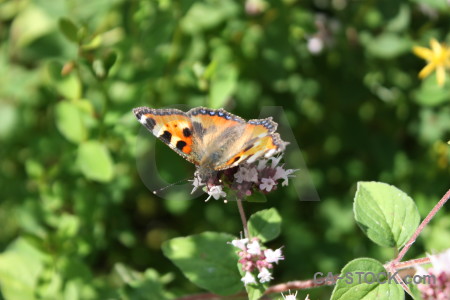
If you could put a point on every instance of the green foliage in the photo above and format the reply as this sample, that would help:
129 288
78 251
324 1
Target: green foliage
265 224
69 121
69 29
387 215
255 292
20 267
365 286
148 285
95 161
208 260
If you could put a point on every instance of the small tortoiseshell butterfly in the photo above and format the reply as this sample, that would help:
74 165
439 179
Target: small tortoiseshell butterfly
212 139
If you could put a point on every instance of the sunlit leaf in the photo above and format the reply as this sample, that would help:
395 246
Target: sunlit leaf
207 260
69 122
370 284
387 215
265 224
95 161
20 268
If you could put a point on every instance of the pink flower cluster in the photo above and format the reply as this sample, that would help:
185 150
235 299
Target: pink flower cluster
254 258
263 175
438 289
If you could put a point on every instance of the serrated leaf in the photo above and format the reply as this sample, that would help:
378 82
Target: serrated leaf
69 29
69 122
387 215
95 161
265 224
365 286
207 260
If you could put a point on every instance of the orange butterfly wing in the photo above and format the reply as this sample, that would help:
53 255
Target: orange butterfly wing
172 126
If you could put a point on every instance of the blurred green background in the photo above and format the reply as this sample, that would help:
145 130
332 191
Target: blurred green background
77 222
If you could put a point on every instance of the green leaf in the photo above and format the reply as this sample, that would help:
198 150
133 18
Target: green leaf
387 215
20 268
95 161
147 285
103 66
430 93
207 15
257 197
417 295
265 224
440 5
207 260
69 122
109 60
29 25
401 22
9 116
351 287
254 292
94 43
388 45
69 29
223 84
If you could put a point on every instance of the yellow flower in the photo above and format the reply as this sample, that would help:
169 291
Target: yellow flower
438 57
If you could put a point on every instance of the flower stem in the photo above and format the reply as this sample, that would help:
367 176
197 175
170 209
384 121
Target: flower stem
421 227
243 218
412 263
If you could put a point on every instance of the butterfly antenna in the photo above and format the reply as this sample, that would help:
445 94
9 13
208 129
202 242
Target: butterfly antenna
156 192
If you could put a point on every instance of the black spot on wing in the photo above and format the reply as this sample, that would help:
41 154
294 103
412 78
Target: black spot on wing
236 159
150 123
180 145
187 132
166 137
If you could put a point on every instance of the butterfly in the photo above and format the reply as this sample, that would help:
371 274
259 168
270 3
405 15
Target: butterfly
212 139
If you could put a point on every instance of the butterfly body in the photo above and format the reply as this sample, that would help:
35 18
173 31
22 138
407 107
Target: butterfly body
212 139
